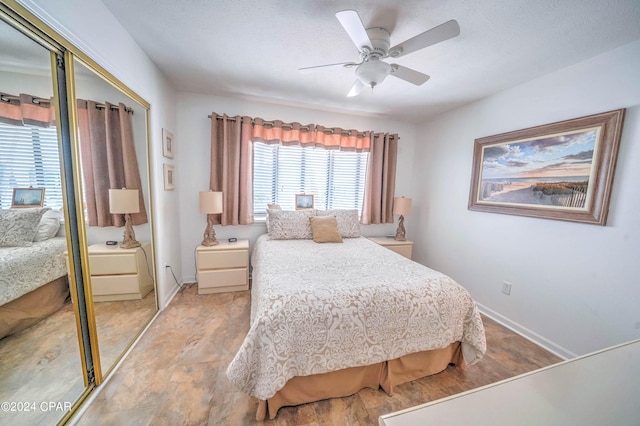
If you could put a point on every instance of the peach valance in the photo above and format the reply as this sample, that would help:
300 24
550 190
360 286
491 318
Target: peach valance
26 110
310 135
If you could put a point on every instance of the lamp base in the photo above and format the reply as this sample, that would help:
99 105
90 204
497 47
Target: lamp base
130 244
209 233
401 234
129 236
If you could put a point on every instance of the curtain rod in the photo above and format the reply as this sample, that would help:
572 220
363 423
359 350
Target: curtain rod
38 101
114 107
8 98
288 125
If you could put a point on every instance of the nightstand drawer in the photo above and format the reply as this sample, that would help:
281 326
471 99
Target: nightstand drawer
403 250
121 284
113 264
222 259
222 278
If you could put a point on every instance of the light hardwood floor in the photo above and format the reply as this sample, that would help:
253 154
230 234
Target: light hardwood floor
42 363
176 373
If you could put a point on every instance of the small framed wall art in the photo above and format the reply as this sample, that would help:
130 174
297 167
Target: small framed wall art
169 177
168 144
27 197
304 201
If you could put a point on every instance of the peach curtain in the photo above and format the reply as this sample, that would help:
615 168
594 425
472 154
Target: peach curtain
232 168
109 160
380 182
26 110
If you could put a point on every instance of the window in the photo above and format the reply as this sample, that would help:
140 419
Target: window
335 178
29 157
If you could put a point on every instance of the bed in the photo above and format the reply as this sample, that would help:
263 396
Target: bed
330 319
33 269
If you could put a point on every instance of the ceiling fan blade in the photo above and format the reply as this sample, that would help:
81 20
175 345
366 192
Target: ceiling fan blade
430 37
356 88
407 74
352 24
318 67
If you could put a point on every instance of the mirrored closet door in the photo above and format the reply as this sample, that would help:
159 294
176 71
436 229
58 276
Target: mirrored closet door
74 178
112 136
41 357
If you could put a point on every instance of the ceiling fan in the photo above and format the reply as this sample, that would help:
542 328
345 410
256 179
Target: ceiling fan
373 45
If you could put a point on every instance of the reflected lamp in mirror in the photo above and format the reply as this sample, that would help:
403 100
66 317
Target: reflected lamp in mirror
210 204
402 207
125 201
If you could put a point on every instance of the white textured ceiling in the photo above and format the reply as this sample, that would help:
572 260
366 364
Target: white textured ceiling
253 48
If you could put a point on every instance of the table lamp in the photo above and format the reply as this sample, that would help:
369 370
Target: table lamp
125 201
401 206
210 204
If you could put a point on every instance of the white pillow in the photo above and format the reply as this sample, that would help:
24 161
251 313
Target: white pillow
290 224
348 221
48 226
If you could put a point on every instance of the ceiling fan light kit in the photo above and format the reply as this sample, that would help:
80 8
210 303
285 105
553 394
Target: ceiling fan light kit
373 72
374 45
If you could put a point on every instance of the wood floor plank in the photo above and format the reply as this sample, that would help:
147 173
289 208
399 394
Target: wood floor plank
183 357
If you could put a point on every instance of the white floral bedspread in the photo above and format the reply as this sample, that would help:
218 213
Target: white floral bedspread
317 308
23 269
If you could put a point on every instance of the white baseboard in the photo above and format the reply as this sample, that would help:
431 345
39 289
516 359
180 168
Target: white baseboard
165 303
527 334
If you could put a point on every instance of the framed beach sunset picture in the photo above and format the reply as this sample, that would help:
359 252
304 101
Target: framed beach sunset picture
558 171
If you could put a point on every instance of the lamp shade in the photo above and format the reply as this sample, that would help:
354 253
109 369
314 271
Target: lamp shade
122 201
211 202
401 206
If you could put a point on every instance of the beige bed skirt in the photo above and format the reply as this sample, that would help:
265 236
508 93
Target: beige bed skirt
341 383
32 307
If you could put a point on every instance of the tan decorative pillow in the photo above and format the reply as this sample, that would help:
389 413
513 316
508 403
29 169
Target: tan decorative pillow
274 207
325 229
348 221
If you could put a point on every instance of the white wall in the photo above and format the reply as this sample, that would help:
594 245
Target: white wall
91 27
193 140
576 287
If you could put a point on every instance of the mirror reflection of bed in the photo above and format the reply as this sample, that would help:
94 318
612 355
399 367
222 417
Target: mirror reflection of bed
39 347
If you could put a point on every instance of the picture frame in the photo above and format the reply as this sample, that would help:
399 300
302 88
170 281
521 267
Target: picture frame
561 171
169 172
24 198
168 144
304 201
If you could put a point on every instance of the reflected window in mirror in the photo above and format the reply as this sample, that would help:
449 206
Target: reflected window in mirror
28 149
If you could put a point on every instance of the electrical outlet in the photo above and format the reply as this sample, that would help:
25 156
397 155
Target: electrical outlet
506 288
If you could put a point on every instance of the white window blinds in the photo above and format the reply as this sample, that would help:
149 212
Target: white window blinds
29 157
335 178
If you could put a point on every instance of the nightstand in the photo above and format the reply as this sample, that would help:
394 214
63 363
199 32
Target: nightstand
223 267
401 247
120 274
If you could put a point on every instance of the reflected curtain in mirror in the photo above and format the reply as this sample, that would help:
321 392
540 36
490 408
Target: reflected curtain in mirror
26 109
109 159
